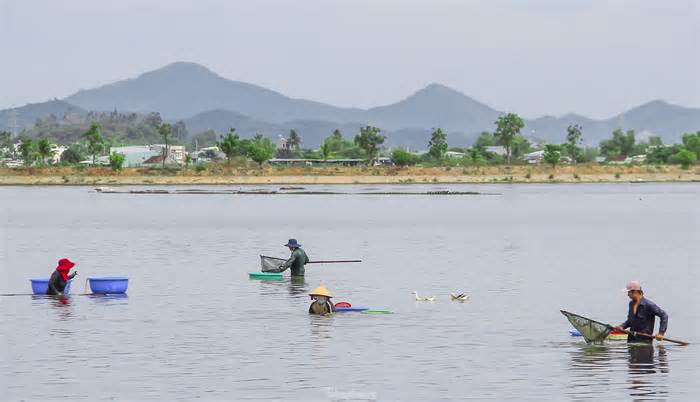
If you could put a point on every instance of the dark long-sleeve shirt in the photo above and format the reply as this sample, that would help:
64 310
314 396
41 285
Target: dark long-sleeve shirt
56 284
644 319
296 262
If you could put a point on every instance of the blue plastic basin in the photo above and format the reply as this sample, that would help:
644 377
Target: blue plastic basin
350 309
40 286
109 285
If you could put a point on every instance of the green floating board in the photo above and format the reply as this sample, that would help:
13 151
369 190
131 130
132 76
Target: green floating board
376 312
265 275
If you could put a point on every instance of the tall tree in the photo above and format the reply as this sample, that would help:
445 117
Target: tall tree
27 150
180 131
485 139
165 130
230 145
343 147
475 155
685 157
655 141
573 139
261 149
507 127
401 157
5 139
337 135
552 154
293 141
73 154
153 120
95 142
691 141
325 150
621 143
369 140
116 161
520 146
43 148
438 144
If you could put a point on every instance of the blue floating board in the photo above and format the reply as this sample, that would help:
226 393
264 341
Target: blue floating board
350 309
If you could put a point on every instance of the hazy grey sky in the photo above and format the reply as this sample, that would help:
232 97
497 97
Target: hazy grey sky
529 56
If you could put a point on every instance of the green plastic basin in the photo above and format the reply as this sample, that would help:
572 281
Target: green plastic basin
266 275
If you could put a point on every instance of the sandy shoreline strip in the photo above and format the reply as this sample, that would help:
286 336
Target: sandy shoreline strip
306 176
310 180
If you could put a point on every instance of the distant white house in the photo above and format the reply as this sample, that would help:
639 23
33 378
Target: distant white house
138 155
496 149
99 161
534 157
57 152
381 161
281 143
11 163
135 155
204 154
636 159
453 154
176 152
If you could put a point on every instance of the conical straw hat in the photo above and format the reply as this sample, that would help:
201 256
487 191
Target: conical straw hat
321 291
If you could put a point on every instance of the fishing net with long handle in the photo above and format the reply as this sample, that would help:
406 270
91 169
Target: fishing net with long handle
272 264
592 331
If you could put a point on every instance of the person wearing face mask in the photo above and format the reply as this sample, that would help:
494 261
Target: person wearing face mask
321 304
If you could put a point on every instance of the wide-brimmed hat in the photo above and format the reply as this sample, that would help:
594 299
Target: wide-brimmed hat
65 264
292 243
633 285
321 291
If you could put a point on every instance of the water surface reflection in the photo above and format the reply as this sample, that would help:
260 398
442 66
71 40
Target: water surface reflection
595 367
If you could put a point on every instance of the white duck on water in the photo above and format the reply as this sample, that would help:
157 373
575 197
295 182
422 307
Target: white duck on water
423 299
462 297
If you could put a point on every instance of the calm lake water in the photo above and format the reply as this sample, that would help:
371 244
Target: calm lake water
194 326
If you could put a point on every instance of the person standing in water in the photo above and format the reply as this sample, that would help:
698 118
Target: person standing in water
641 316
60 277
297 260
321 304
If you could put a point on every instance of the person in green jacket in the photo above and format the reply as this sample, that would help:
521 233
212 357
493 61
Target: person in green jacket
297 260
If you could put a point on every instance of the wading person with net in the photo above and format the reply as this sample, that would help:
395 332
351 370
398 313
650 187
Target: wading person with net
641 316
297 260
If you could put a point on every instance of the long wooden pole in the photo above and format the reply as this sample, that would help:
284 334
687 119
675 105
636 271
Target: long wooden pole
634 333
332 261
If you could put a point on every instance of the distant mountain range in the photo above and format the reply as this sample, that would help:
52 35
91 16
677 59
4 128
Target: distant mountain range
205 100
25 116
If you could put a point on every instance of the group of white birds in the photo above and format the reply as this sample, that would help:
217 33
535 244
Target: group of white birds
462 297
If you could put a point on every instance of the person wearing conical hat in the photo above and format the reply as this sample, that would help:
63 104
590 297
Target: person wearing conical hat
321 304
297 260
